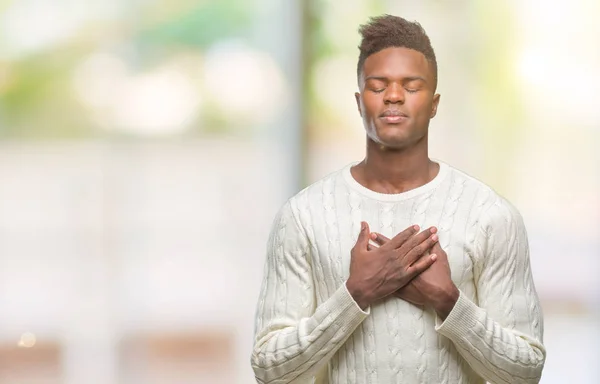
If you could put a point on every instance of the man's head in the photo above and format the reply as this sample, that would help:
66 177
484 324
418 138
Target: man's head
397 78
392 31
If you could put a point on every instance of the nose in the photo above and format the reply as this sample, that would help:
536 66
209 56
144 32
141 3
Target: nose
394 94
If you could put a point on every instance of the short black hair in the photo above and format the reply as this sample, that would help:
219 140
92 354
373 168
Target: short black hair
387 31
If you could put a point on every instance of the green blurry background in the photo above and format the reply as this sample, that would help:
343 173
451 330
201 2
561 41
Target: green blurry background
145 147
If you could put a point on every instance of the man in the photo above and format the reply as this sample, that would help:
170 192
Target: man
355 291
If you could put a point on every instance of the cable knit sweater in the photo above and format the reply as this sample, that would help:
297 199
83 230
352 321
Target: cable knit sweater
309 328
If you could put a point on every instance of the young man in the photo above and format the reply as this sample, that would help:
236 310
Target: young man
398 269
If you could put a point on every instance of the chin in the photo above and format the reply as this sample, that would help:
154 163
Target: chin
392 136
393 140
397 137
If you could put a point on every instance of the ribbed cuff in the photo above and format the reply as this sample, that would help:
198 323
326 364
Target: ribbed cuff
461 320
348 297
341 309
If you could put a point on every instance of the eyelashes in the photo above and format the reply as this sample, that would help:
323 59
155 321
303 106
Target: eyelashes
407 90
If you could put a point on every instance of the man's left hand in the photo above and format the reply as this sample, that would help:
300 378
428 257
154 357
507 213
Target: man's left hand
433 287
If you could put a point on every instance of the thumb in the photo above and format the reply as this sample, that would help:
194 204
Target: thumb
363 236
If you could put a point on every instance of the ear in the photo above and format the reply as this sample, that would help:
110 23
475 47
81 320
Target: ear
434 105
357 97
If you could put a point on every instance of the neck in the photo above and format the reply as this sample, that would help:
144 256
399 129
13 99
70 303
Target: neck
394 171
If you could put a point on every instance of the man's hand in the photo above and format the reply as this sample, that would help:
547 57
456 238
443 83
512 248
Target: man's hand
411 294
376 272
433 287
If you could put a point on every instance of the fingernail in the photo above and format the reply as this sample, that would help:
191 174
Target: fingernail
416 227
433 257
362 226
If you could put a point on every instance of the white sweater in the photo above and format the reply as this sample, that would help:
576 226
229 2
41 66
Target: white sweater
308 325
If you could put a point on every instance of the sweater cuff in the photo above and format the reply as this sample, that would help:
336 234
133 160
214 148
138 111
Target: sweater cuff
347 298
461 320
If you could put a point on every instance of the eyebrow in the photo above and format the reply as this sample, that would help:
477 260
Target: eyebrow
404 80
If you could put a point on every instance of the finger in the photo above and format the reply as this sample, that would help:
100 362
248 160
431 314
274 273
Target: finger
403 236
420 249
417 239
371 247
437 248
421 265
379 239
363 236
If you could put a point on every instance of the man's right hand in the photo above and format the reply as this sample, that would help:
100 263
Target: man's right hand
378 272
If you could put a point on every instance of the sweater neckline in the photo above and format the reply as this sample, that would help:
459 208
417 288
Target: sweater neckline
355 185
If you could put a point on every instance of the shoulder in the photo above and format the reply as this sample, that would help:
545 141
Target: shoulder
310 202
317 194
458 176
495 210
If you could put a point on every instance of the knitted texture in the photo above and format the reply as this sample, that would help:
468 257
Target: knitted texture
308 325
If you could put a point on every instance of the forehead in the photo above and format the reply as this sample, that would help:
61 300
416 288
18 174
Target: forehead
397 62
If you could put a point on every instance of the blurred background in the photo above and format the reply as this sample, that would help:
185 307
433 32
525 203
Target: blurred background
146 145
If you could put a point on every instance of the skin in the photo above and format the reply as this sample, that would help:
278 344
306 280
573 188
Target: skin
397 99
379 272
433 287
396 79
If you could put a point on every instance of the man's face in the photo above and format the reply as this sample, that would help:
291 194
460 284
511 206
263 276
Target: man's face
397 97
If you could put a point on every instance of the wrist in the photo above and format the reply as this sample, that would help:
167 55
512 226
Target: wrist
357 294
445 301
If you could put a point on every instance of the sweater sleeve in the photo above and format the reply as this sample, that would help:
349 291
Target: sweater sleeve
501 339
294 338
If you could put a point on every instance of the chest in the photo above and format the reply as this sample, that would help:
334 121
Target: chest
332 243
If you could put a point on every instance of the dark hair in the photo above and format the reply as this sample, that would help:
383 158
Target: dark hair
392 31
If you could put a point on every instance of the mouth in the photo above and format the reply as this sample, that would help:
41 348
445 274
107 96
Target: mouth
393 116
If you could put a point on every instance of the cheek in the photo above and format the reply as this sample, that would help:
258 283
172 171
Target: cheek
371 109
421 106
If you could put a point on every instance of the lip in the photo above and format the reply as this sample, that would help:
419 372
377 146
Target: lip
393 112
393 116
394 119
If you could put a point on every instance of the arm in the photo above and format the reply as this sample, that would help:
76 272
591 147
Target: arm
501 339
293 339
